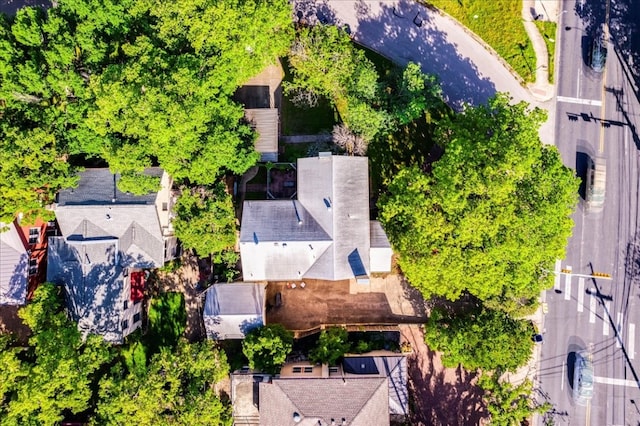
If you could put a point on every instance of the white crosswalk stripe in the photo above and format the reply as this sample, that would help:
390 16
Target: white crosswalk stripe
605 319
592 307
580 294
631 347
567 285
556 276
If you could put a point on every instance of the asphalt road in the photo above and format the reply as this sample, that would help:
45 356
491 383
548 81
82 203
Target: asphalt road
595 117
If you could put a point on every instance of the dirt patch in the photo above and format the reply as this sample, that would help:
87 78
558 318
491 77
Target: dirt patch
11 323
439 395
330 302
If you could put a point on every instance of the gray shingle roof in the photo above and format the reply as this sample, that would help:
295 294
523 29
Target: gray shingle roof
14 266
232 310
99 186
104 232
360 401
329 224
395 369
93 282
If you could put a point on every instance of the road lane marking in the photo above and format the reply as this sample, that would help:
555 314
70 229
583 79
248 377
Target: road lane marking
605 322
618 329
615 382
632 341
580 294
588 420
567 284
592 308
556 277
570 100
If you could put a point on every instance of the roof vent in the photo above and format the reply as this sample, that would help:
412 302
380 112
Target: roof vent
296 417
324 154
108 216
344 421
327 203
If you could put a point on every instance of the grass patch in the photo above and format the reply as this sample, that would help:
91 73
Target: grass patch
499 24
548 31
305 121
167 321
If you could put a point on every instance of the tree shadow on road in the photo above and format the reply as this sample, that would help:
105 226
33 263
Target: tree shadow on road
404 27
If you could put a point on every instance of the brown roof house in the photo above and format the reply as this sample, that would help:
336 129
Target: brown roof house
368 389
323 234
232 310
109 238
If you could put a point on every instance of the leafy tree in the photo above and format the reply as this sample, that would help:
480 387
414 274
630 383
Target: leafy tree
326 63
332 344
32 171
176 388
267 347
480 338
411 94
491 216
507 404
56 374
135 84
205 220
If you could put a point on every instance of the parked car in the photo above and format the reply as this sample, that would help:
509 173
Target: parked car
596 183
597 54
582 378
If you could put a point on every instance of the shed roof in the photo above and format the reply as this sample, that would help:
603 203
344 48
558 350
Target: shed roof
232 310
265 122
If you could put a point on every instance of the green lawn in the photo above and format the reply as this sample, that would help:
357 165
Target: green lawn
548 31
499 24
167 322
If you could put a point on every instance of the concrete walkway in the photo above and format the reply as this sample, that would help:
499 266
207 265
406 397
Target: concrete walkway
541 89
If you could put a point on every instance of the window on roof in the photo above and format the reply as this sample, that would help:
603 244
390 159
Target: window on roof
165 207
308 369
126 304
333 369
125 324
297 369
136 318
34 234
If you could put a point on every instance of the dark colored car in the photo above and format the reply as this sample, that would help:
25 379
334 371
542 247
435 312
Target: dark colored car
597 54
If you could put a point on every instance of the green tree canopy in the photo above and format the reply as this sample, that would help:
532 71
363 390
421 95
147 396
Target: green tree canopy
267 347
205 220
176 388
507 404
491 216
332 344
133 83
56 373
480 338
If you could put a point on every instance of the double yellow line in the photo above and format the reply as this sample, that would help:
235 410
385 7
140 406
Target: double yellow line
604 80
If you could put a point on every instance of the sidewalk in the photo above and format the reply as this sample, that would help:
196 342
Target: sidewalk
542 90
